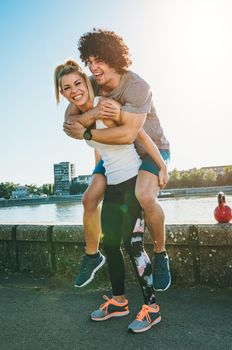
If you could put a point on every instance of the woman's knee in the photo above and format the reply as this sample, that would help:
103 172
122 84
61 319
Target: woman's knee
111 251
134 245
93 196
91 200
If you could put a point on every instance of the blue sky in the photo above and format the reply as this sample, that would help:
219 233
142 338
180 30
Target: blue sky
183 49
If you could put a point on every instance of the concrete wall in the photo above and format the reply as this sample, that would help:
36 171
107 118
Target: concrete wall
199 254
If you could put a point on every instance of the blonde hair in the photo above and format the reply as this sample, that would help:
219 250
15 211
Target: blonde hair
68 67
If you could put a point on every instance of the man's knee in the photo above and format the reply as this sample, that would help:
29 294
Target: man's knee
147 189
145 199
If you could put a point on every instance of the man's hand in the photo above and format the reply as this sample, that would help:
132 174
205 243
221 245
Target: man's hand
109 108
74 129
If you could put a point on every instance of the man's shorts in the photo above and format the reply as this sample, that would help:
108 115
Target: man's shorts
148 164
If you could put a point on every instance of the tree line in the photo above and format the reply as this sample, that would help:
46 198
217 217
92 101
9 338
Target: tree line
6 189
199 178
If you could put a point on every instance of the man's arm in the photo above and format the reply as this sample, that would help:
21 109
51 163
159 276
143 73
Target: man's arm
123 134
120 135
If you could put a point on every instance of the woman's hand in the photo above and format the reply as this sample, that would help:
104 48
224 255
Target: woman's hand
74 129
163 177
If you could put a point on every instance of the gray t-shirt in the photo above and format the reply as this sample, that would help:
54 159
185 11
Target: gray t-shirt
135 96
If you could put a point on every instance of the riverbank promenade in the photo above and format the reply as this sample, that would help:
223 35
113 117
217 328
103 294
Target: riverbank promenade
166 193
49 313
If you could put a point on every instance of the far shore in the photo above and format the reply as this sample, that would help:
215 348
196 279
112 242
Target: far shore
166 193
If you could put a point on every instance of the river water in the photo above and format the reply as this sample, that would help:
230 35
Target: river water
190 210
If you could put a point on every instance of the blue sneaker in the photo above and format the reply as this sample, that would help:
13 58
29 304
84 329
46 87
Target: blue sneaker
161 274
89 267
146 318
111 308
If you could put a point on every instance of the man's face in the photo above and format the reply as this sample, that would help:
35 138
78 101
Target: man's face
101 71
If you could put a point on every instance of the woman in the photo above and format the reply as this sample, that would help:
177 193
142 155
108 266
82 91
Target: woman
121 212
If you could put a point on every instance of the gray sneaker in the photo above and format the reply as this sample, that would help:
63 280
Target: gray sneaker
89 267
110 309
146 318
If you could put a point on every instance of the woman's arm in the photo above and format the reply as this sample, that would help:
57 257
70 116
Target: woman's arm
97 156
73 114
154 153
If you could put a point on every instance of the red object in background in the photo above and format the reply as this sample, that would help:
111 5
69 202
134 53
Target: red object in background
222 212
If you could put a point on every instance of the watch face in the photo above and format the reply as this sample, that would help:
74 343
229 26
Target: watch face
87 135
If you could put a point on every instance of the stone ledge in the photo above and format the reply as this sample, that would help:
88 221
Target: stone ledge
181 234
176 234
64 233
6 232
215 235
199 254
34 233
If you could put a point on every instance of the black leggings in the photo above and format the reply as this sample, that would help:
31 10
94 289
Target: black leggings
121 219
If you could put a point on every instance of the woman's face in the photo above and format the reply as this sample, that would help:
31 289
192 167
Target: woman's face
74 88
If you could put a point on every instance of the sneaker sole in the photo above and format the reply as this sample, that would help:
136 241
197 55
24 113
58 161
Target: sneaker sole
115 314
145 328
162 290
92 274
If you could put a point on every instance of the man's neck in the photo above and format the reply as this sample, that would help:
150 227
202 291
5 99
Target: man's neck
111 85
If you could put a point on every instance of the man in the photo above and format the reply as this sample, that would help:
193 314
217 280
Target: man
107 57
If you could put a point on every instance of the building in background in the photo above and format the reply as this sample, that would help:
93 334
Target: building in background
83 179
219 170
20 192
80 184
64 173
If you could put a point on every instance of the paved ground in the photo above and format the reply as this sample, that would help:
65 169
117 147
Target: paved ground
47 313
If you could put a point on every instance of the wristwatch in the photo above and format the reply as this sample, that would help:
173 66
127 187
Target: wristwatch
87 134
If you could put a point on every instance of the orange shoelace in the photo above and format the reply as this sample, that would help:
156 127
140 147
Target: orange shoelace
145 313
108 302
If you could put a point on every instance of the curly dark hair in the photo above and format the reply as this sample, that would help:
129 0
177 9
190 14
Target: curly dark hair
107 46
